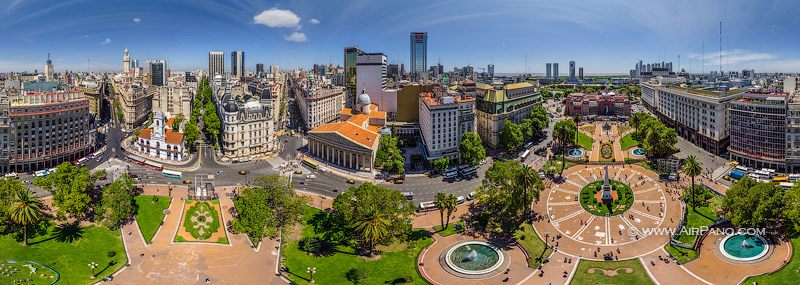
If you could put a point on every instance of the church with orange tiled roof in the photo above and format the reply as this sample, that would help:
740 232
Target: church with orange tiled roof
160 141
352 142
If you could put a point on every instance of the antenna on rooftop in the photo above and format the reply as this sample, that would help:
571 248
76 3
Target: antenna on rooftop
704 58
720 48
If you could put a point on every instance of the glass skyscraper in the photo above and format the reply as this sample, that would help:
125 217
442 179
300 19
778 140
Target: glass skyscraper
419 54
350 58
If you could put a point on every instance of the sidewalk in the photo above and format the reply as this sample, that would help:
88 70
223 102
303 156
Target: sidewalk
355 175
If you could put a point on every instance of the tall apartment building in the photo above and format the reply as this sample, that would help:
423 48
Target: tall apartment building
572 69
39 130
700 115
237 64
173 99
318 104
444 116
490 70
136 103
48 69
248 126
790 85
216 63
758 130
259 69
498 103
548 70
555 70
371 77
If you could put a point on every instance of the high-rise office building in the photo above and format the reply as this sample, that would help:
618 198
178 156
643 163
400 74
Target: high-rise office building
419 54
237 63
555 70
126 62
549 70
259 69
350 60
572 69
158 72
490 70
216 63
580 73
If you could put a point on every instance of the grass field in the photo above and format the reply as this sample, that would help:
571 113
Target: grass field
555 166
68 249
150 214
637 276
786 275
585 141
702 217
397 261
450 230
535 246
683 255
627 142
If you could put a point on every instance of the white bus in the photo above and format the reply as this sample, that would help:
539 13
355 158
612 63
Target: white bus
426 206
172 174
743 168
12 174
525 155
450 173
41 173
794 177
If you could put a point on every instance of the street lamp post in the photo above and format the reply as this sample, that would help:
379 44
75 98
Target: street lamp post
170 188
311 270
93 266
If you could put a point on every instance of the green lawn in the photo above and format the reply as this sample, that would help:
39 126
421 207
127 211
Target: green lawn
683 255
150 214
589 201
397 261
703 216
69 249
535 246
585 141
786 275
627 141
555 166
584 277
450 230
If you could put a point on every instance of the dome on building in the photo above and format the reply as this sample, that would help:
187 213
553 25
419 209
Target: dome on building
363 98
230 105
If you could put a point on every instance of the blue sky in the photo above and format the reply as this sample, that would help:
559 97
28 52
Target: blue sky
601 36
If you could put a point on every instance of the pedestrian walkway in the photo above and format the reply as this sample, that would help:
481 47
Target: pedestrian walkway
667 272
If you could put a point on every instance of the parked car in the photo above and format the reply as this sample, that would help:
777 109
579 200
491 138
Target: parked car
460 199
242 172
187 181
311 176
471 195
298 172
351 181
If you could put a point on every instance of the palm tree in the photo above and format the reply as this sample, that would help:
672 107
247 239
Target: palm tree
692 167
373 228
440 202
26 209
529 186
450 203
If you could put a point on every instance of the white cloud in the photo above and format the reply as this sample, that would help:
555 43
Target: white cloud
314 21
137 20
277 18
106 41
734 57
297 37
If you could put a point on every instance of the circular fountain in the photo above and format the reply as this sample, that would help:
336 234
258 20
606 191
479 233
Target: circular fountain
474 258
743 247
638 152
575 153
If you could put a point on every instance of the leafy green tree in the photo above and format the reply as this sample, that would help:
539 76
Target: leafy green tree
510 135
563 133
355 275
656 138
270 203
505 195
471 148
192 134
791 209
70 186
25 210
176 122
373 215
750 204
389 156
211 122
118 203
540 118
692 167
441 164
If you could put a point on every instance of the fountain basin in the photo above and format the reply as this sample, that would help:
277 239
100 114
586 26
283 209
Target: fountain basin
743 247
638 152
474 258
575 153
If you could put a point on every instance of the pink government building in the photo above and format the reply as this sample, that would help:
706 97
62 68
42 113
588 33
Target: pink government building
604 104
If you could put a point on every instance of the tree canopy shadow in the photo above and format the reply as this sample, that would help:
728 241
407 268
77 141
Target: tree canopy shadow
68 232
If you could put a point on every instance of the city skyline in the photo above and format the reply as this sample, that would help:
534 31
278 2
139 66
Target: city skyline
522 36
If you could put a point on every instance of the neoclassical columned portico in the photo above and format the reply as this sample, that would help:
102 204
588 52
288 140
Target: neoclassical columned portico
357 159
